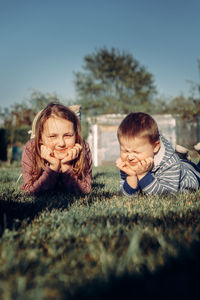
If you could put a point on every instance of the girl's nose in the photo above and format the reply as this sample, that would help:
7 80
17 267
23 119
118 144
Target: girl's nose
61 142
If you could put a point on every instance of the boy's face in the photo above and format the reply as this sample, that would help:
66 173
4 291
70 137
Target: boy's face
136 149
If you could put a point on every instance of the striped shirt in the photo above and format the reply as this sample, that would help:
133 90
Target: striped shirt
168 175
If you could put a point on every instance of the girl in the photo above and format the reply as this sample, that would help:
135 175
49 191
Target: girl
57 157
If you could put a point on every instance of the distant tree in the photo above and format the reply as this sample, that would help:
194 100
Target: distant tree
195 93
22 114
160 106
195 87
19 115
185 108
113 82
39 100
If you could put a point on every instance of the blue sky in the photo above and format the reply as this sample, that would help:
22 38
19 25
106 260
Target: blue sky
43 42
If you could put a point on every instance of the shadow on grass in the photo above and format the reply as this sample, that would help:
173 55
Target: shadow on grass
171 220
14 211
178 279
16 206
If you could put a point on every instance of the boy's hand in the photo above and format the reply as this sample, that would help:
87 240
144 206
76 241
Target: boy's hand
125 167
135 172
132 176
47 154
72 154
143 167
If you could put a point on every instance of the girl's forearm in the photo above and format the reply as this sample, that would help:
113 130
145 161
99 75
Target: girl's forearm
71 181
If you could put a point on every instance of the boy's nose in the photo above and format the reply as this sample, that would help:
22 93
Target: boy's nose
131 156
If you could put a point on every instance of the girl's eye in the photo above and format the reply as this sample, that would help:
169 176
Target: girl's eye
68 135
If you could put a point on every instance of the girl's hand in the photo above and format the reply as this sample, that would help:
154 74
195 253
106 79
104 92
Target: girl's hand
72 154
47 154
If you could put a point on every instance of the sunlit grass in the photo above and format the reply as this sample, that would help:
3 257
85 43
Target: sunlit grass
57 245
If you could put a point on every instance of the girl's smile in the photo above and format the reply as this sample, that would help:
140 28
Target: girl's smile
61 150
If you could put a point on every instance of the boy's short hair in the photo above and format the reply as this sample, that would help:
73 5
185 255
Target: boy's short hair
139 124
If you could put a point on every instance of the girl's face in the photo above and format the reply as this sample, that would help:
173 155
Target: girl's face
136 149
58 135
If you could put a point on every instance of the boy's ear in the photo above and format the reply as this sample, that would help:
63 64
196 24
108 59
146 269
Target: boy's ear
156 146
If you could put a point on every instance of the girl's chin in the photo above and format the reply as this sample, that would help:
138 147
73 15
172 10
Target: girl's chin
60 155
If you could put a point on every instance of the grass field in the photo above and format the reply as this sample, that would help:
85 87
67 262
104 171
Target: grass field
100 246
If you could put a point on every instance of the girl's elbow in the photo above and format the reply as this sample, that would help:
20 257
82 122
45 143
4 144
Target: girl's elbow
88 190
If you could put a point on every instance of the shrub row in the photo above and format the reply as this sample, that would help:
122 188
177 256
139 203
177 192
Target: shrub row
10 136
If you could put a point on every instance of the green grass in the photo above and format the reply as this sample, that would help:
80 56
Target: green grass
100 246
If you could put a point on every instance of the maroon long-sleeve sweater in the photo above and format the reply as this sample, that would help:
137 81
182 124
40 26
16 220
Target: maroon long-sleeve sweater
51 179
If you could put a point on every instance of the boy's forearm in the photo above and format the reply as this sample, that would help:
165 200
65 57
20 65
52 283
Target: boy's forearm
140 176
132 181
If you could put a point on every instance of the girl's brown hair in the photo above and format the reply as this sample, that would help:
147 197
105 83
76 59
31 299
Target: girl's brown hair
139 124
61 111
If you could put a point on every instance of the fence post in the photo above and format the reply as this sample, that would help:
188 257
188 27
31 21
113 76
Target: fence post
198 128
95 136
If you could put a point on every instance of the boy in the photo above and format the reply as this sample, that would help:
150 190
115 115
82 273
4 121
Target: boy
148 164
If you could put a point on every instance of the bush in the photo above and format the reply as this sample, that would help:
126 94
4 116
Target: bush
21 135
84 129
17 135
3 144
8 136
